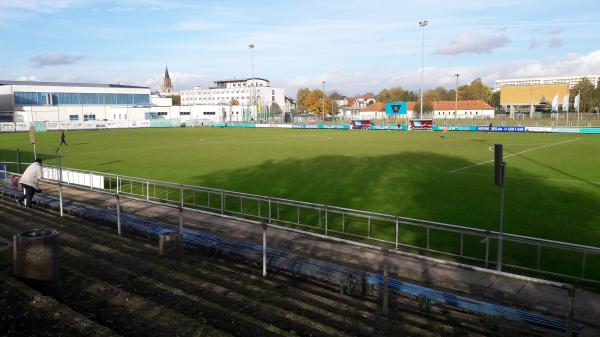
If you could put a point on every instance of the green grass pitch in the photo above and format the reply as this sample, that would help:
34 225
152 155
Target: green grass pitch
552 180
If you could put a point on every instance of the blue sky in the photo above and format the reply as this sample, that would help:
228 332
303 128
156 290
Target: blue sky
356 46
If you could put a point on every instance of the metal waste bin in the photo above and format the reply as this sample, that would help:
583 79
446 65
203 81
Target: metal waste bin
171 245
36 254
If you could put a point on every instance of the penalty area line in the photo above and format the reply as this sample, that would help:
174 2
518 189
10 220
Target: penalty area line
516 153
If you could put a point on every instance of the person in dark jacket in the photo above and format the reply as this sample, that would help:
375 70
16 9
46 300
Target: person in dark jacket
62 138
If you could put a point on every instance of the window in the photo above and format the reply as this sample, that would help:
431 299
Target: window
162 113
273 98
208 113
31 98
73 117
68 98
89 117
184 113
272 92
150 115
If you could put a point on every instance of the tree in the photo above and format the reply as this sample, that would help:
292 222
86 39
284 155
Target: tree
427 106
301 97
440 94
590 97
395 95
476 90
176 99
314 102
336 95
495 100
234 101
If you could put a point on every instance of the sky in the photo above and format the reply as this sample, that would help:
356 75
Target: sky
354 46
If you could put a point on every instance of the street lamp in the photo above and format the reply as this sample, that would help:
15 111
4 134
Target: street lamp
423 24
252 92
323 104
456 101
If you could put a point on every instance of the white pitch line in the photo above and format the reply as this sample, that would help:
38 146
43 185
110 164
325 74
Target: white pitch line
516 153
535 178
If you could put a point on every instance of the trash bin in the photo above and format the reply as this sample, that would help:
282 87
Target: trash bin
36 255
171 245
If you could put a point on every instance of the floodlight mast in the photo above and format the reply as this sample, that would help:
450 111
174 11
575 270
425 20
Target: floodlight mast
423 24
456 101
323 102
252 90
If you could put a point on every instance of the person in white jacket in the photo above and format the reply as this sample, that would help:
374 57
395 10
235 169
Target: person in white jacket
30 182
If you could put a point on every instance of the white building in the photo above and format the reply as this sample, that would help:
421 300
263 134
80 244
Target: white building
27 101
247 92
570 80
441 109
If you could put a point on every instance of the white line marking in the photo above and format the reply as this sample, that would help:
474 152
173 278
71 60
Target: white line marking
535 178
516 153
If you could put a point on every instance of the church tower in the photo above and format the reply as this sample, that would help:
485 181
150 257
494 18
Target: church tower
166 87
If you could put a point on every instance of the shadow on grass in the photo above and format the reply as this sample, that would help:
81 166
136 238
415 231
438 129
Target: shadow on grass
419 185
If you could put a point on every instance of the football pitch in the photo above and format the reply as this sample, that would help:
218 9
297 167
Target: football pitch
552 180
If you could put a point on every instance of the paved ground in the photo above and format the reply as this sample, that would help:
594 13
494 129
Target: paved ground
476 284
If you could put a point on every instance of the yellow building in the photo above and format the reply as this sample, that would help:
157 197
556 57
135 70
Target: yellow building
533 94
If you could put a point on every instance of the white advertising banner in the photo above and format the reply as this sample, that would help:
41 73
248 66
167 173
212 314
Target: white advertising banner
7 127
74 177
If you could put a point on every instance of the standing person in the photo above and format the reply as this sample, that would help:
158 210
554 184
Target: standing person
30 182
490 128
62 138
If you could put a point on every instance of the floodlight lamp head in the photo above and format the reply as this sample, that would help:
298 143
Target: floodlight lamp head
423 23
251 46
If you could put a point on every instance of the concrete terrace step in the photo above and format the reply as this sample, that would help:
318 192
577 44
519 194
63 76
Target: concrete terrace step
27 312
236 246
427 329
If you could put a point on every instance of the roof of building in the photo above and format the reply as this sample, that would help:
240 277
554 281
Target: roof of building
69 84
241 80
438 105
377 106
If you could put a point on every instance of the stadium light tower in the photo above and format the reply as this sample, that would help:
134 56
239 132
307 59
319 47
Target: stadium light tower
252 91
456 101
423 24
323 103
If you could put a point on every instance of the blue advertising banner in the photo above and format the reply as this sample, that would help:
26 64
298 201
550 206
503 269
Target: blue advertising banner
501 128
388 127
461 128
589 130
396 108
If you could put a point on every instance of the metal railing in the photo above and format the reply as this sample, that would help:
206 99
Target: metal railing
451 242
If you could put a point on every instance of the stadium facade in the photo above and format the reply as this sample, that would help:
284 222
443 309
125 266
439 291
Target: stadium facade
570 80
30 101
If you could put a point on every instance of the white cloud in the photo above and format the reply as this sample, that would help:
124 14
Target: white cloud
357 83
40 6
32 78
179 80
472 42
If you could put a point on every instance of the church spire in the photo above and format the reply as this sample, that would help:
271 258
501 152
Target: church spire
166 86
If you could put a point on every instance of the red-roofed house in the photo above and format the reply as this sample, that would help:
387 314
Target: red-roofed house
463 109
442 109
